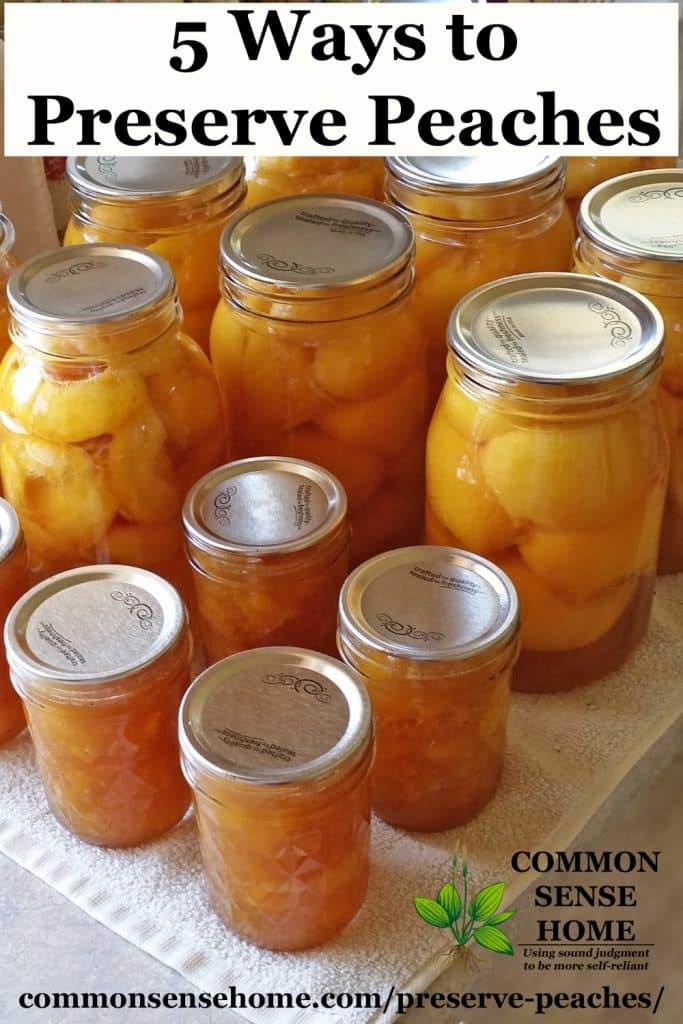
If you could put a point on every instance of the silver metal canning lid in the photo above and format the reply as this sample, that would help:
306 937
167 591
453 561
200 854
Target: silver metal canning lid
10 530
152 177
89 284
428 603
6 234
555 329
93 625
263 506
316 245
275 715
471 174
638 215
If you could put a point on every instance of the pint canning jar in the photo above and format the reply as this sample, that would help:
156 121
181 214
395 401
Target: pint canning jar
276 177
175 206
277 747
6 268
434 633
108 412
101 659
268 542
14 580
320 355
548 454
477 219
631 230
585 172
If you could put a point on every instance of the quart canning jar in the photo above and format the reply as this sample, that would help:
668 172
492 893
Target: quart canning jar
14 580
548 454
631 230
434 633
108 412
477 219
277 747
101 659
585 172
268 541
276 177
174 206
320 355
6 268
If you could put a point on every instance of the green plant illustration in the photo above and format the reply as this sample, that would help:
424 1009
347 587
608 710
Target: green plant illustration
479 919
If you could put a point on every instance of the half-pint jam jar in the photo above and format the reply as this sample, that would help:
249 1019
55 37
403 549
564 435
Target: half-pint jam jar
268 542
631 230
14 580
277 746
101 659
434 633
175 206
548 454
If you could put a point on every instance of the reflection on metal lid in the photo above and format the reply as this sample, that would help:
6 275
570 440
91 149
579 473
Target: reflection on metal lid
10 530
482 171
637 215
145 177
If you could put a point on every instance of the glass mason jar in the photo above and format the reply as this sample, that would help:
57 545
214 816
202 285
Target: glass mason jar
277 747
6 268
320 355
276 177
101 659
268 541
477 219
434 633
14 580
630 231
548 454
585 172
175 206
108 412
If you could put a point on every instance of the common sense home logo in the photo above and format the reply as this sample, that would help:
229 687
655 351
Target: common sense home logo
479 919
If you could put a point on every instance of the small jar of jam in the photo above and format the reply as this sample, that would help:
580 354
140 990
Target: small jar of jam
14 580
101 659
320 355
477 218
108 411
277 747
276 177
434 633
175 206
268 542
631 230
548 454
6 268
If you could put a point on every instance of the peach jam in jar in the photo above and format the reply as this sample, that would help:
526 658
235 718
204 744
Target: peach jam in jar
268 542
434 633
631 230
320 356
277 747
108 411
101 659
175 206
548 454
477 218
6 268
276 177
14 580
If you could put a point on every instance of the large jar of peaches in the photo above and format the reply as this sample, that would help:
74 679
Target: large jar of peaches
14 580
275 177
434 633
6 267
268 542
175 206
108 412
477 219
277 747
631 230
101 659
548 454
585 172
320 354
